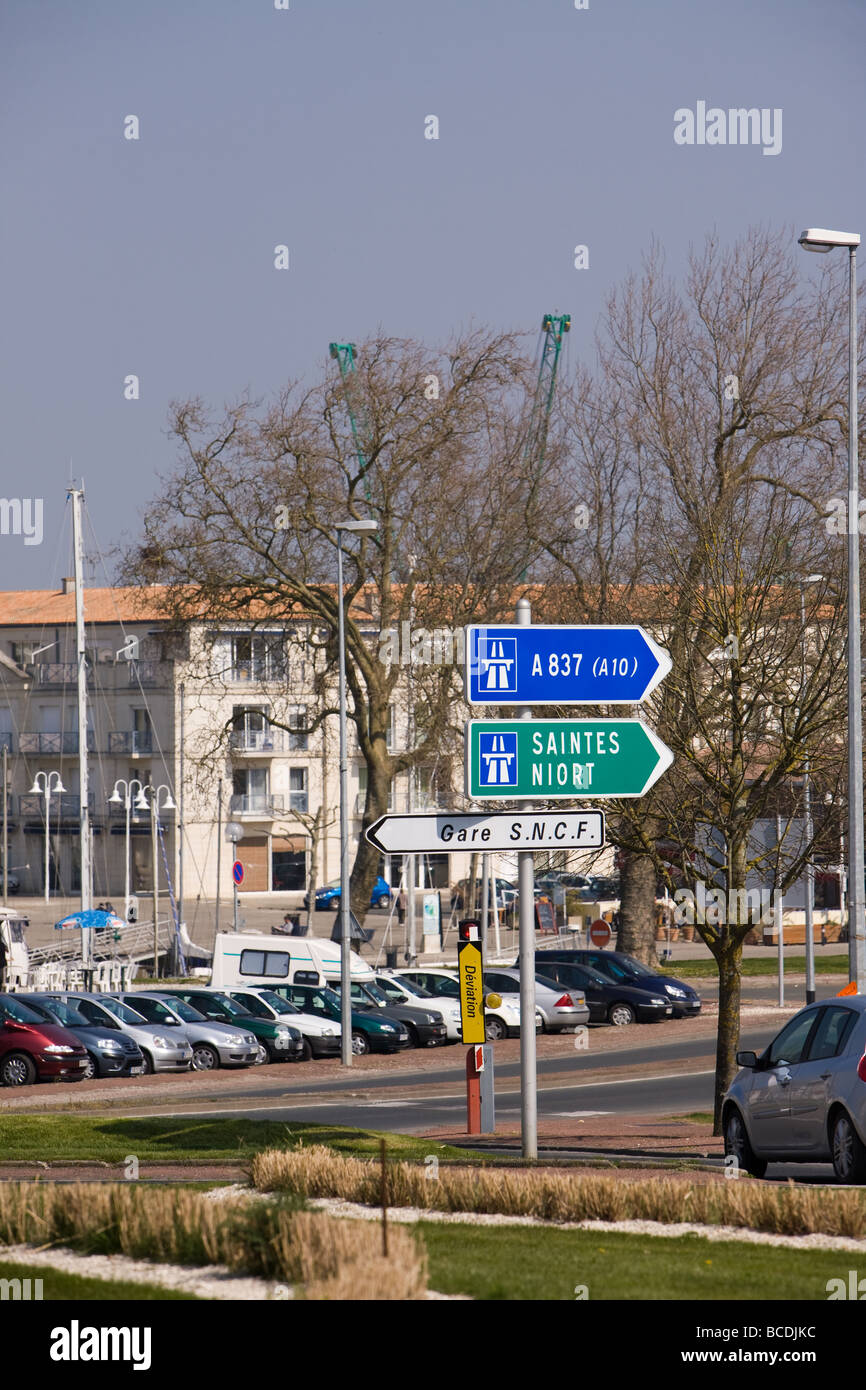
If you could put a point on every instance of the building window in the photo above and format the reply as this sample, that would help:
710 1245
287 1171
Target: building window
258 656
298 789
297 722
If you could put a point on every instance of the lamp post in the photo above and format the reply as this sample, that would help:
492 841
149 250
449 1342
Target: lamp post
126 801
141 804
345 938
819 239
46 790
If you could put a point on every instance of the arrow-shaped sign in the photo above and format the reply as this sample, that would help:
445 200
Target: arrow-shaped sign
562 665
444 832
539 759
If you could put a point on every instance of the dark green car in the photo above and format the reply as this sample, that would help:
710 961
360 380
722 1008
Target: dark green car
369 1033
281 1042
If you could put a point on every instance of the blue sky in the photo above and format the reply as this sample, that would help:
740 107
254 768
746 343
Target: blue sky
305 127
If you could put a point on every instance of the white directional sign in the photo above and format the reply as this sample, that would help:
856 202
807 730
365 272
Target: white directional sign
500 830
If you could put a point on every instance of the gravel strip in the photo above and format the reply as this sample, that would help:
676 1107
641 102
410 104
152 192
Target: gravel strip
206 1281
335 1206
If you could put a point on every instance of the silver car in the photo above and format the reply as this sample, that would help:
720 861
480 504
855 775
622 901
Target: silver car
213 1044
804 1099
161 1050
559 1008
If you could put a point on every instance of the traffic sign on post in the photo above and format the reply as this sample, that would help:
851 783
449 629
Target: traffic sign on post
469 971
515 759
616 665
487 830
238 872
599 933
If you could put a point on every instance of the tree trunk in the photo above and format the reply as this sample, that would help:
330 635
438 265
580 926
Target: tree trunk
315 833
636 936
366 865
728 953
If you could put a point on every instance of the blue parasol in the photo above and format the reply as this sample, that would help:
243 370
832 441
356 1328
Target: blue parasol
90 917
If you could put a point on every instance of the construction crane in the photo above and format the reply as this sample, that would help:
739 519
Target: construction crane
553 328
345 355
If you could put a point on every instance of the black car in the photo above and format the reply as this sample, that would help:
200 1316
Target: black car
371 1031
619 1002
622 969
425 1029
108 1053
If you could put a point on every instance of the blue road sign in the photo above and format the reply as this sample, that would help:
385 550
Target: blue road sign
238 872
561 666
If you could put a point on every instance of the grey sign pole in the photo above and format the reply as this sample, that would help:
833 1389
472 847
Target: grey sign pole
488 1105
526 893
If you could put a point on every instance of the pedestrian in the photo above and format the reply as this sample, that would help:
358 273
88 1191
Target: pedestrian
401 907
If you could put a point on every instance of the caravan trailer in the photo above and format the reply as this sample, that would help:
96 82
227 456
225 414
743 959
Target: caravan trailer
253 958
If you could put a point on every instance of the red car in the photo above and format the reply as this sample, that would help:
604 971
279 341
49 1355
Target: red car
33 1050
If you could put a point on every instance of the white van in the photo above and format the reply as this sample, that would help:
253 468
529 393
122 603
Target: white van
253 958
13 925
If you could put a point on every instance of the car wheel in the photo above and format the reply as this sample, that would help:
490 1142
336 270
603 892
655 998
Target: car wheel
91 1071
849 1153
384 900
307 1054
18 1070
335 904
204 1057
148 1063
360 1045
620 1015
737 1143
262 1055
414 1040
494 1029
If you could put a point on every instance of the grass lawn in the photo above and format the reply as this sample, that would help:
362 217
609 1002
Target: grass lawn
191 1140
526 1262
59 1286
756 966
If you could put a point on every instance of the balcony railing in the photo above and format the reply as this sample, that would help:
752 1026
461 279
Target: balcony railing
261 672
262 804
257 740
63 807
130 741
59 673
54 745
120 675
299 801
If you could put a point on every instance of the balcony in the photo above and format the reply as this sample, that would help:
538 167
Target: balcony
55 745
59 673
121 675
261 741
257 672
257 805
130 742
63 807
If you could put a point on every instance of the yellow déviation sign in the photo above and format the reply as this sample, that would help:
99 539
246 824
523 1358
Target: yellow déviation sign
471 992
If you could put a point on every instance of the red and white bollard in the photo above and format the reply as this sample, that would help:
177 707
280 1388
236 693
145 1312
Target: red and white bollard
474 1068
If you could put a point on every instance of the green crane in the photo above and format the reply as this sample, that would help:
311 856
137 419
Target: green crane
553 328
346 355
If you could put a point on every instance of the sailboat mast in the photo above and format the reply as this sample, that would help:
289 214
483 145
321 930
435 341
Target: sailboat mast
77 496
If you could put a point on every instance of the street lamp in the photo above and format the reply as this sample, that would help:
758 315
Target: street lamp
46 790
807 812
126 801
345 939
141 804
821 240
234 832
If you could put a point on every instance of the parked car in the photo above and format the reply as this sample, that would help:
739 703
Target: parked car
213 1044
330 895
161 1051
426 1028
506 893
34 1049
559 1009
624 969
273 1040
609 1001
501 1022
320 1037
804 1099
399 989
371 1031
109 1053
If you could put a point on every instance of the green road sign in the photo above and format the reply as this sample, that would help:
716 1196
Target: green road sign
538 759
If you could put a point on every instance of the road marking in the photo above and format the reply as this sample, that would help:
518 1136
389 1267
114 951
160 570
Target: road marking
577 1114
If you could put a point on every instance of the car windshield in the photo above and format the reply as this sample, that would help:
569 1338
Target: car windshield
378 994
636 967
16 1011
231 1006
121 1010
64 1013
186 1011
277 1002
413 988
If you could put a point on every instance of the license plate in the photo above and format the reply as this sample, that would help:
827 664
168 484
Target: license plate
82 1063
136 1071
